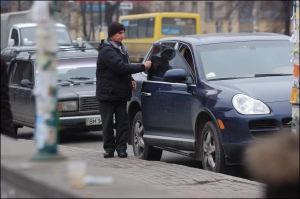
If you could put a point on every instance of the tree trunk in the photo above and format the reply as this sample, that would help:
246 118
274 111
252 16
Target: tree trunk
287 10
82 5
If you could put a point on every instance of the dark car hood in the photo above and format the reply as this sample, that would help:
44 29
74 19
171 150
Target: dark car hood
67 91
266 89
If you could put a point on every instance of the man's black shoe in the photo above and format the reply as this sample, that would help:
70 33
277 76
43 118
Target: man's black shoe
108 154
122 154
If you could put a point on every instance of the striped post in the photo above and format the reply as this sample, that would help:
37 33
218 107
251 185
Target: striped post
295 60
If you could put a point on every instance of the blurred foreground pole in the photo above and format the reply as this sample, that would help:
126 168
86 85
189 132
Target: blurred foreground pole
255 13
295 89
45 91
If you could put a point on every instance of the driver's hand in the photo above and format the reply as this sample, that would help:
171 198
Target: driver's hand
147 64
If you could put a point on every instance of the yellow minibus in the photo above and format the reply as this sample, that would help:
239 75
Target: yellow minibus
144 29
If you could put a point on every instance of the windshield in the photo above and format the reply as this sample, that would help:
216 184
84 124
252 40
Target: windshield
76 73
28 36
246 59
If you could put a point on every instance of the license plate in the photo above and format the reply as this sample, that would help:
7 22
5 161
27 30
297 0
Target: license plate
93 121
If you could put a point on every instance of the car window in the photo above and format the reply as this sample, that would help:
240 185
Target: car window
187 54
11 71
17 73
15 36
27 71
163 59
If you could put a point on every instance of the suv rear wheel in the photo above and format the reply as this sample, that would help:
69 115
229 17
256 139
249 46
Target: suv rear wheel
212 154
140 149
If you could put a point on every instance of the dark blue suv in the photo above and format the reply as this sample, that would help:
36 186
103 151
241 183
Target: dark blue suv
209 96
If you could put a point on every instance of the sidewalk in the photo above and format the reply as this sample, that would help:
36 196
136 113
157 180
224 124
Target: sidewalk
133 178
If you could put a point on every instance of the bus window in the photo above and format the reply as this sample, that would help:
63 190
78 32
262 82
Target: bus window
142 26
178 26
150 29
132 29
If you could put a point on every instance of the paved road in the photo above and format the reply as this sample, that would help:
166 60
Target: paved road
93 140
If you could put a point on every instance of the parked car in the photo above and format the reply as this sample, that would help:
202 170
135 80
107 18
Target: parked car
77 104
223 92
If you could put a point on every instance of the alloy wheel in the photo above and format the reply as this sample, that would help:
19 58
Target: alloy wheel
139 144
209 151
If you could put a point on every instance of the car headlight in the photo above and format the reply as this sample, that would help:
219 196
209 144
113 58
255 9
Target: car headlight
248 106
67 106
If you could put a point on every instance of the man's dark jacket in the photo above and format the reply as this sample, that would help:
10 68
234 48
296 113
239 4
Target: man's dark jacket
7 127
114 81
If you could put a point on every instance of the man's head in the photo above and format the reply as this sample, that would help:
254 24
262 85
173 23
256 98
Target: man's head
116 31
168 54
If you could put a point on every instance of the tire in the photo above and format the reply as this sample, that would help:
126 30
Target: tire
212 154
140 148
15 130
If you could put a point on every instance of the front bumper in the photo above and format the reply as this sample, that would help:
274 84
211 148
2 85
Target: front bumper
81 122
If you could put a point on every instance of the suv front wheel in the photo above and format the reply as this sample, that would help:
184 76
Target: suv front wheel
140 148
212 154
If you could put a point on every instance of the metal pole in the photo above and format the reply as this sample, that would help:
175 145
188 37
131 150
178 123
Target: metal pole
45 91
295 89
100 16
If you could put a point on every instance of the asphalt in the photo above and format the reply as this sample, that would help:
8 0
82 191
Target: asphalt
132 178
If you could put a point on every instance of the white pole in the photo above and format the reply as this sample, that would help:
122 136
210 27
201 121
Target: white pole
295 60
45 90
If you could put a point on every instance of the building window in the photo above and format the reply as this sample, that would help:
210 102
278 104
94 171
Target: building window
181 6
194 7
209 11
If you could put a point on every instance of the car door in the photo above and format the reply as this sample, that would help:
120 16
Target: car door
23 95
166 106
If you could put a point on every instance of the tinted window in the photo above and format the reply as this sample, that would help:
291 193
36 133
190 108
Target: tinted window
15 36
27 71
178 26
18 69
163 59
11 71
238 59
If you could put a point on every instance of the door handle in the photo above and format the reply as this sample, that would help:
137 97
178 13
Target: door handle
146 94
17 91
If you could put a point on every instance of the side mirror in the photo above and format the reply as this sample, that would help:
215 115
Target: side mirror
26 83
11 42
175 75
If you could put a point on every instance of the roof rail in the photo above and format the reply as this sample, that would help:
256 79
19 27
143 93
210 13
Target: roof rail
32 52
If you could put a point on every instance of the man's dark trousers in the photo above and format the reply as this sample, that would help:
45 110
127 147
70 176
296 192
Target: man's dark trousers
107 110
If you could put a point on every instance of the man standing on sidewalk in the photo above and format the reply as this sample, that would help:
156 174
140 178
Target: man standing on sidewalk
114 88
7 126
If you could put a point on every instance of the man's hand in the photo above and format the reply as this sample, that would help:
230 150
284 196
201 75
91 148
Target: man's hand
133 85
147 64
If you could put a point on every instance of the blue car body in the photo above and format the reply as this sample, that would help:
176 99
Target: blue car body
175 112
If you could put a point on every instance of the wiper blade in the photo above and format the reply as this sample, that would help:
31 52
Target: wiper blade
65 81
80 78
271 74
226 78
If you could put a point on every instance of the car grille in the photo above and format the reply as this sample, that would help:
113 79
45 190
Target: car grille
88 104
262 124
286 122
267 127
